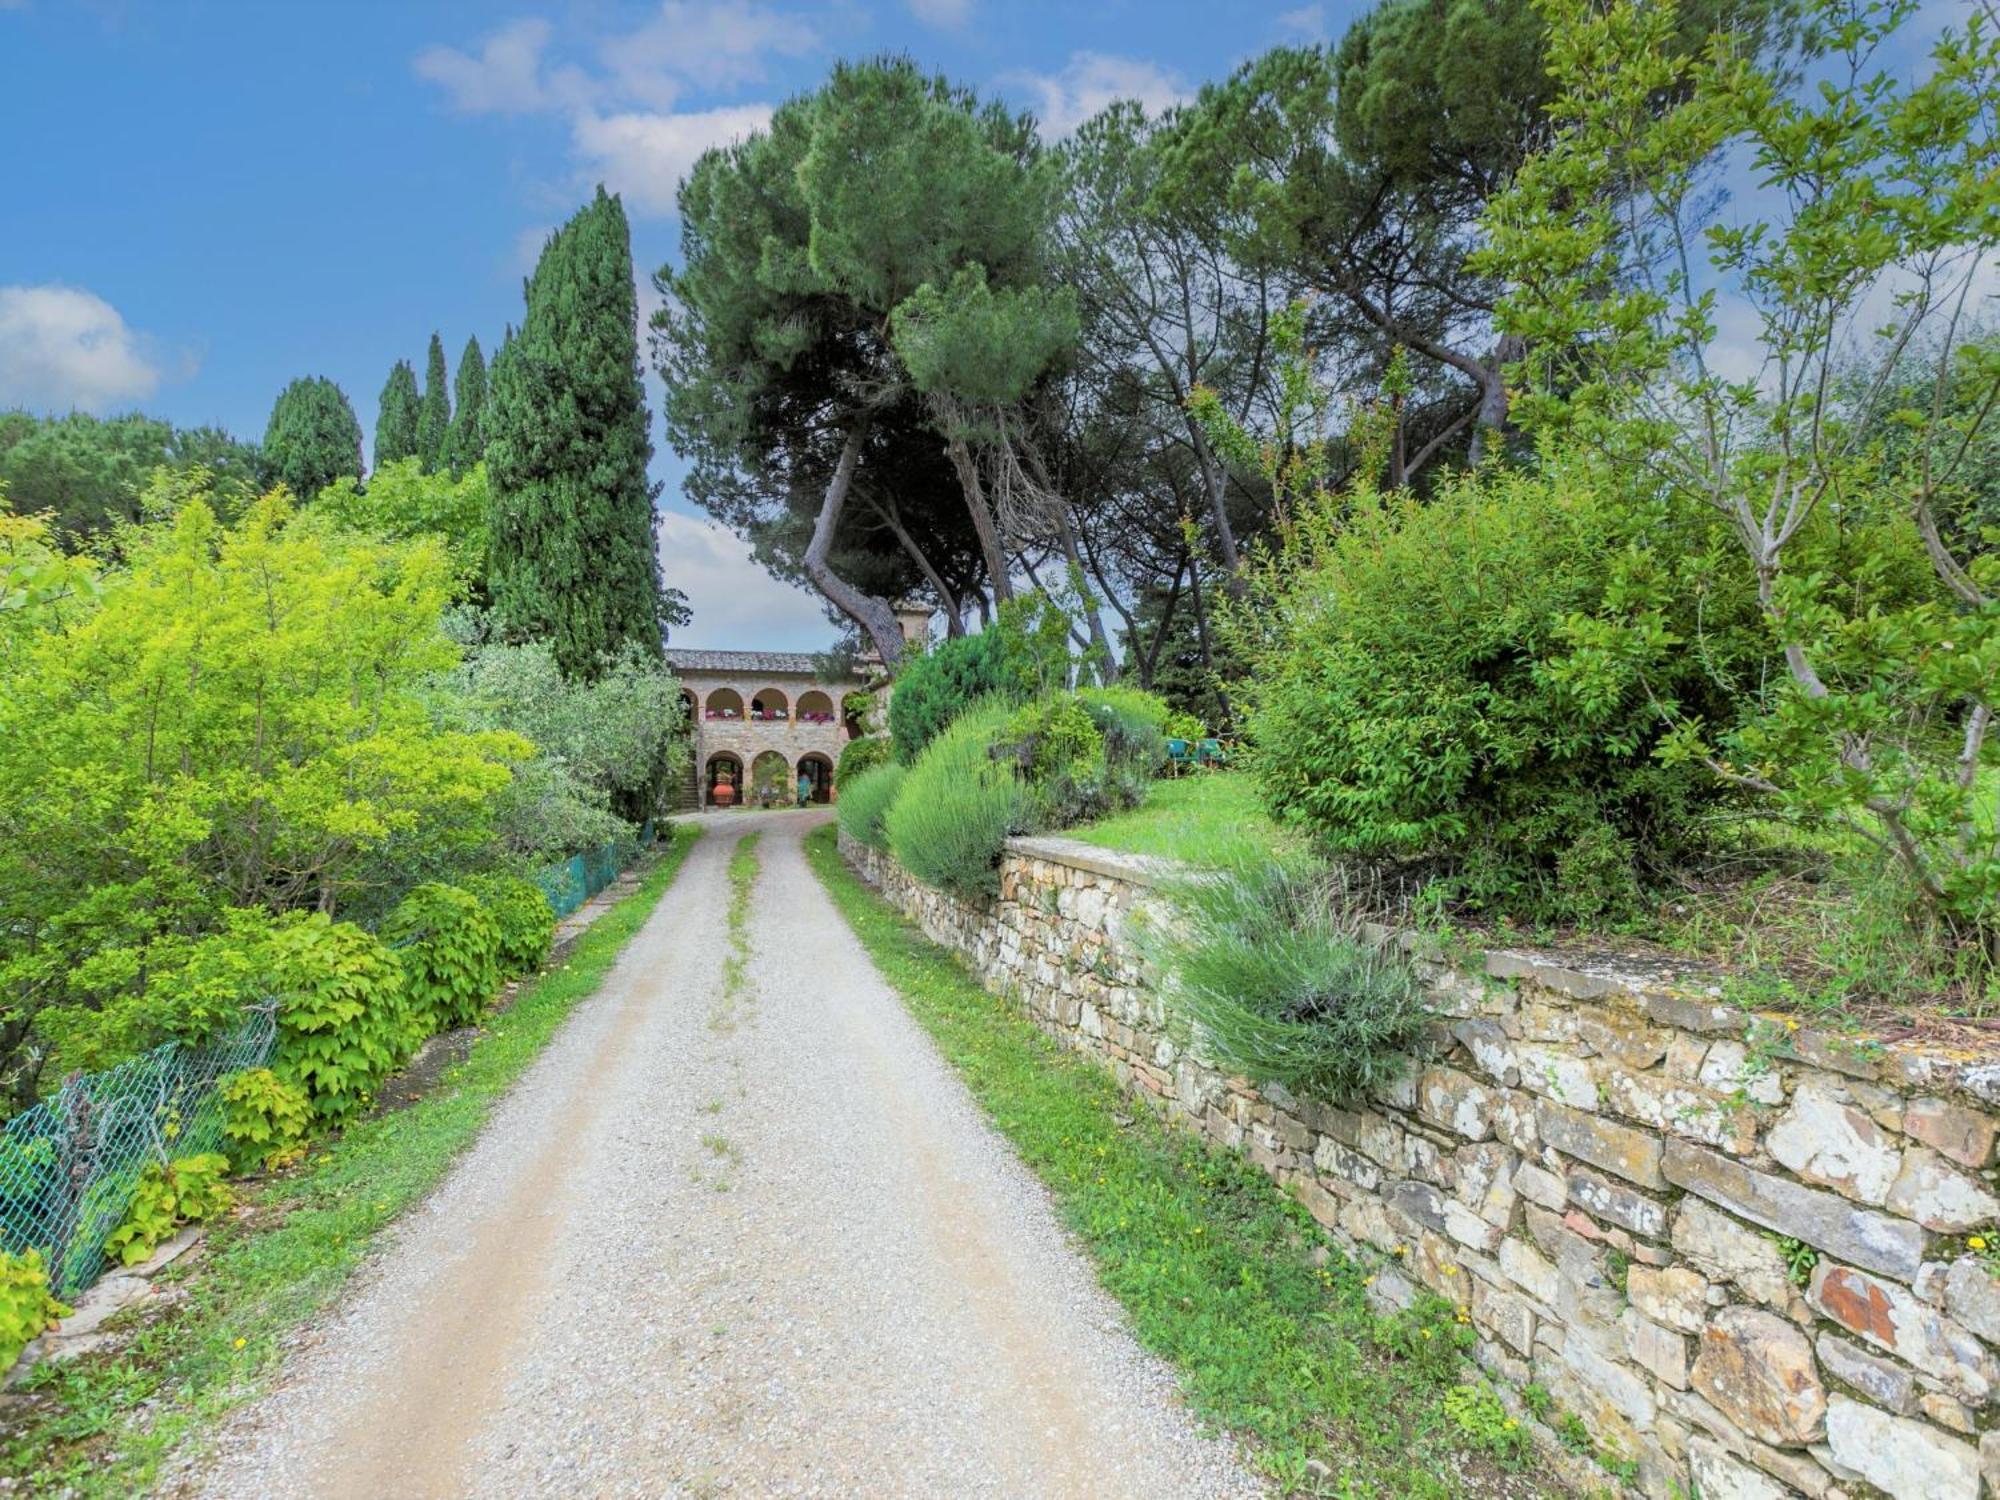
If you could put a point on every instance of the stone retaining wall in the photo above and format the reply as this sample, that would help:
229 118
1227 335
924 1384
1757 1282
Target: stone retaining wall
1736 1249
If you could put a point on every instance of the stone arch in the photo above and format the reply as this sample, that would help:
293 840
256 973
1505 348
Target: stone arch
725 768
820 769
690 707
723 703
815 707
769 703
770 780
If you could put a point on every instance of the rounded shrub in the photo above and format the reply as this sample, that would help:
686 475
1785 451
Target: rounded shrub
520 910
450 948
1279 985
939 684
865 803
1476 680
343 1013
957 805
858 756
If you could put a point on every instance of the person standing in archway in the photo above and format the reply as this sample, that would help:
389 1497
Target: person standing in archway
805 786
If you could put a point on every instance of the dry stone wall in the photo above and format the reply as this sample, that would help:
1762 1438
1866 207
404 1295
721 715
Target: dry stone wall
1747 1255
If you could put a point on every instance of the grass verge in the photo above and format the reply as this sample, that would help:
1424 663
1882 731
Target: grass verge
1210 818
104 1427
1223 1274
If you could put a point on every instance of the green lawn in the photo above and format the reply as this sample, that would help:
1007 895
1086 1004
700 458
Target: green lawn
103 1427
1222 1274
1205 818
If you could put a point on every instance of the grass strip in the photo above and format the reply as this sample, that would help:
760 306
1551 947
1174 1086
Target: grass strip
105 1427
1222 1273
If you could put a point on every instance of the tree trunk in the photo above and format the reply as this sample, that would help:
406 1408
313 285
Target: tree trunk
873 615
947 600
982 518
1215 485
1107 669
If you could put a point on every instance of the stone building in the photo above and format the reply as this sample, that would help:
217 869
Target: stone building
770 712
767 712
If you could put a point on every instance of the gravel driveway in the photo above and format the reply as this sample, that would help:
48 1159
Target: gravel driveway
760 1245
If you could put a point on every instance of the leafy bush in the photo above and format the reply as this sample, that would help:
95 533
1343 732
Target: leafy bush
187 1190
859 755
450 949
26 1307
1053 737
1428 684
1280 986
939 684
264 1117
520 910
865 804
344 1017
1024 654
957 806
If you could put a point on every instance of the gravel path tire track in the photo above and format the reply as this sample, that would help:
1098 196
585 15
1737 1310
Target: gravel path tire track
749 1244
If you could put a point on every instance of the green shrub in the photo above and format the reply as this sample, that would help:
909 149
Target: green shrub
1053 737
187 1190
450 949
865 803
26 1307
1281 987
264 1117
957 806
1428 683
860 755
939 684
344 1017
520 910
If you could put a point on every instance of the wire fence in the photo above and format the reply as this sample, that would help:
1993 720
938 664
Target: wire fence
69 1166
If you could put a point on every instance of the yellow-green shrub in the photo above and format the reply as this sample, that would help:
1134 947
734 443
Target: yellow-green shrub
521 912
264 1117
343 1015
866 801
26 1307
187 1190
450 947
957 806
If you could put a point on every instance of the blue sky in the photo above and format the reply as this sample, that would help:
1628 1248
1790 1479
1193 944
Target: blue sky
208 199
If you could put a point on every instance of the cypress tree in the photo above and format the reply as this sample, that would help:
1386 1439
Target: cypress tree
396 418
574 559
434 415
313 438
465 444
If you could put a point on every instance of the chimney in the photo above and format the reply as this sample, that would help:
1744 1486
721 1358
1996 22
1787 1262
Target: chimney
915 619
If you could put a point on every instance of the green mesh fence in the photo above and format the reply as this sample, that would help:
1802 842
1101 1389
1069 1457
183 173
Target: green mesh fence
581 876
69 1165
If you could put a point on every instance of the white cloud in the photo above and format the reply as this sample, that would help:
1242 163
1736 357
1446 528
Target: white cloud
1308 23
645 156
714 46
949 15
63 347
507 77
737 605
1089 82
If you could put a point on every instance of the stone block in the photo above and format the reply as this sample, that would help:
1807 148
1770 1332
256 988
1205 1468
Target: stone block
1828 1141
1939 1196
1894 1247
1618 1149
1511 1318
1528 1269
1469 1229
1659 1351
1972 1295
1681 1110
1555 1074
1416 1203
1490 1048
1886 1384
1622 1037
1455 1101
1618 1203
1717 1476
1908 1460
1726 1069
1727 1251
1757 1370
1539 1185
1675 1296
1336 1160
1618 1384
1890 1317
1964 1135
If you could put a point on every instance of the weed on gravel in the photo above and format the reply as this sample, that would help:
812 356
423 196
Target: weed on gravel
107 1426
1221 1273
